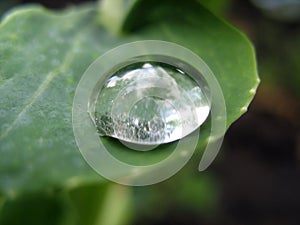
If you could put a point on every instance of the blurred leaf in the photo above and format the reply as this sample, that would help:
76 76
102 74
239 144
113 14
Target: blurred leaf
43 54
199 192
186 193
36 209
278 56
218 7
87 201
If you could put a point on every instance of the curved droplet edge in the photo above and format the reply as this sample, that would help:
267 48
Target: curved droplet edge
128 174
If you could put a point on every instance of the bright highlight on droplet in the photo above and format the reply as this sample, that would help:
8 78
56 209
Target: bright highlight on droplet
150 103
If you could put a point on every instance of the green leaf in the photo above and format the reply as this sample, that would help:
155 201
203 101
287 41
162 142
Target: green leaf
43 54
35 208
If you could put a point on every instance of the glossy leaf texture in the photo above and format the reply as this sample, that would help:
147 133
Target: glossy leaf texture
43 55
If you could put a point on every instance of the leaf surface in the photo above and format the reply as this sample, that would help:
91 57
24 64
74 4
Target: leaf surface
43 55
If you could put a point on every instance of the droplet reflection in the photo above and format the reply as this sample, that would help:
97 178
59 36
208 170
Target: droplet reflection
150 103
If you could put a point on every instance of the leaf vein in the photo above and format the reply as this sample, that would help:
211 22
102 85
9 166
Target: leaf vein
49 78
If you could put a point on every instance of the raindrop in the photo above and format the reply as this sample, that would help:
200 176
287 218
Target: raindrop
149 103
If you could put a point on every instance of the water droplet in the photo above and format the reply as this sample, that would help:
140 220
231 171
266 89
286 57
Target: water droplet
149 103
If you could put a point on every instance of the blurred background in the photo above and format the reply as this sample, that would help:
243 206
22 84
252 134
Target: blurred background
256 177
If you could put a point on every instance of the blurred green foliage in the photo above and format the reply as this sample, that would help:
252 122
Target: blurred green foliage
198 193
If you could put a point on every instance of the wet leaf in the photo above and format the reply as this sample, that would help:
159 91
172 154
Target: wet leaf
44 53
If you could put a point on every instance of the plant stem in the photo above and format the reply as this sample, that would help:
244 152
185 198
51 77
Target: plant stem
116 207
